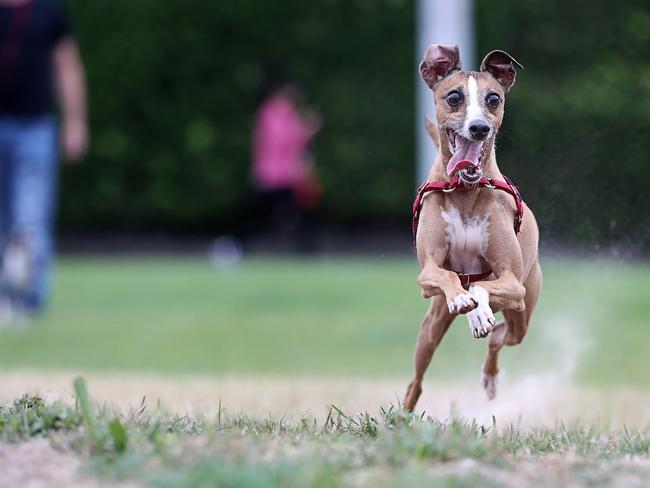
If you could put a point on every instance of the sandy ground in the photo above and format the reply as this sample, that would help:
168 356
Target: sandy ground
53 466
38 463
532 400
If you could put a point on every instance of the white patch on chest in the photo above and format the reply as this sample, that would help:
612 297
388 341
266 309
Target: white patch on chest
468 240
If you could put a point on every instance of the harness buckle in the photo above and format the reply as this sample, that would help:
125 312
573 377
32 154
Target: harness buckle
465 277
450 189
490 185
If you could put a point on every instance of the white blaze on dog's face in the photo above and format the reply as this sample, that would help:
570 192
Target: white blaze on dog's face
474 108
469 105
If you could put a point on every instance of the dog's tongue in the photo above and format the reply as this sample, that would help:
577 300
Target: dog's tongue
466 155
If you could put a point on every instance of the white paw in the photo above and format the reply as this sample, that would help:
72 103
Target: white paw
490 385
481 319
462 303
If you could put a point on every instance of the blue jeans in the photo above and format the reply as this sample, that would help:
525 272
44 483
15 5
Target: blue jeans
28 187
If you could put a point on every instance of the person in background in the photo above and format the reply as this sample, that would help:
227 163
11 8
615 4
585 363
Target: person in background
283 172
39 62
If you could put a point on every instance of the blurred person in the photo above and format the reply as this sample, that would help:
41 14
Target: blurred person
283 172
39 61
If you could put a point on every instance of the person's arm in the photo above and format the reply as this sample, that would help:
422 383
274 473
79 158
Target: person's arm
71 94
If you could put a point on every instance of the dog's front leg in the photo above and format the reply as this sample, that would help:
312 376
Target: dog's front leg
435 280
504 256
505 293
433 248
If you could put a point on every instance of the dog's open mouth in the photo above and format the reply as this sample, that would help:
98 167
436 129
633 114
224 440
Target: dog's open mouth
467 157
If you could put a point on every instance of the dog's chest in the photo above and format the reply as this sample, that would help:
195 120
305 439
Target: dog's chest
468 240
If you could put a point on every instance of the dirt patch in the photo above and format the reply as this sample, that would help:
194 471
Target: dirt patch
528 401
36 463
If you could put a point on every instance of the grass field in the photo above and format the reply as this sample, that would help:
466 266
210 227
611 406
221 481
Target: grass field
327 317
270 334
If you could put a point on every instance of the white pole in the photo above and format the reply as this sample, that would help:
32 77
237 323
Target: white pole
438 22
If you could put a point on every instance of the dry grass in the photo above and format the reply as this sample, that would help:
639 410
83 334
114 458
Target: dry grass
149 446
532 400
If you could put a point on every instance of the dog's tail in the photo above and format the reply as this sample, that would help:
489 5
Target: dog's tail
432 129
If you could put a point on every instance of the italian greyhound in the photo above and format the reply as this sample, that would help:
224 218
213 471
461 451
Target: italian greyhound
477 247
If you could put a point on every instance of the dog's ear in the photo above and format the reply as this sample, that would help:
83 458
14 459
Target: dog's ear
502 67
440 60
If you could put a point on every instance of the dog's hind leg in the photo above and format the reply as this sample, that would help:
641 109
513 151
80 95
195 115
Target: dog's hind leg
511 331
435 324
491 366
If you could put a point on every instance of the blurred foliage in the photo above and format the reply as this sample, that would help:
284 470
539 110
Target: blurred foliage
174 85
575 137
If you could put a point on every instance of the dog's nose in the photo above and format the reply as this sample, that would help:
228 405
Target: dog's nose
479 130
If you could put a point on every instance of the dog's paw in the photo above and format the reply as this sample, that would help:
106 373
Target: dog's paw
481 319
462 303
490 385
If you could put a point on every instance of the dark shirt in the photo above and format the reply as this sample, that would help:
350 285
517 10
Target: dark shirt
28 34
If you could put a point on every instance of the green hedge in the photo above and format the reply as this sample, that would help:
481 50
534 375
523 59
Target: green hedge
578 121
173 86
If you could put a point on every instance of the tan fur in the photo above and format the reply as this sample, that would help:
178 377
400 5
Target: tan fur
432 130
516 281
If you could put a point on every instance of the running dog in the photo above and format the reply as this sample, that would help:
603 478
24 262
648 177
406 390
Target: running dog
476 240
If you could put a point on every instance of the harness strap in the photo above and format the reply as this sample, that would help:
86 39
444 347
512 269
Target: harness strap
455 184
466 279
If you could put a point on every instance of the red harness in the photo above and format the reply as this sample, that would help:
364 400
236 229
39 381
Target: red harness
458 185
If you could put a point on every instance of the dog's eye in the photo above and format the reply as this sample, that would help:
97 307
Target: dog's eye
493 100
454 98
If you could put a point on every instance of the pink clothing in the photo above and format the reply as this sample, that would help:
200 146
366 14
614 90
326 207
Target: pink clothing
279 143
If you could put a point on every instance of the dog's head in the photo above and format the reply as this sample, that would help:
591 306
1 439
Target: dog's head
469 105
